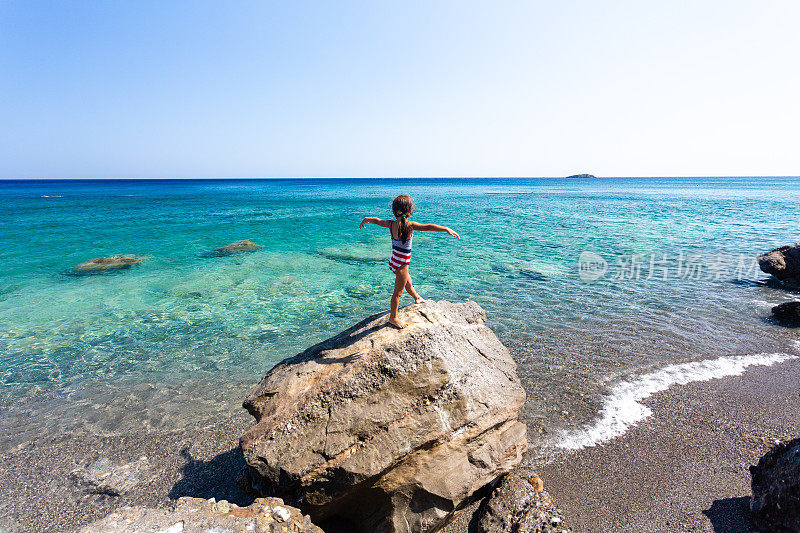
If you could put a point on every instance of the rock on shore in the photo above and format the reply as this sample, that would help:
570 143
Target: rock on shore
775 504
519 504
196 515
783 263
390 430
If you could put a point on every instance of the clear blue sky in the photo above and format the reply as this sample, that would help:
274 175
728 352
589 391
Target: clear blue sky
531 88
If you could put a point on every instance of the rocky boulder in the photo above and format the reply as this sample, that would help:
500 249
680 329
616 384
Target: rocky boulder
775 504
788 312
783 263
196 515
237 248
390 430
114 262
519 504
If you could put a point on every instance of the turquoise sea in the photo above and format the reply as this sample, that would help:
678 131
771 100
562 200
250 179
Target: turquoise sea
179 339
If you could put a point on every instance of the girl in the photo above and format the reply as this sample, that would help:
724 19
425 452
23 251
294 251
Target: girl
402 230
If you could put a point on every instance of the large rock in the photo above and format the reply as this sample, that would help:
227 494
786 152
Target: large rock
775 504
783 263
196 515
114 262
389 429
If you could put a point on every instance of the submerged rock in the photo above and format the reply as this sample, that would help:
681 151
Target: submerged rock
391 430
104 477
237 248
114 262
519 504
783 263
787 312
775 504
196 515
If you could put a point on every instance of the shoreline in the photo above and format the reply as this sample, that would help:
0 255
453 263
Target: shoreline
686 466
690 457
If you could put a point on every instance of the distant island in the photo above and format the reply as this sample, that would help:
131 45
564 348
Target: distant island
581 176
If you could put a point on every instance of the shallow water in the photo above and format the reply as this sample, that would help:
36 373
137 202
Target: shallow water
180 338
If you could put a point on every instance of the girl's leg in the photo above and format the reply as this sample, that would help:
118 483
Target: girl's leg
410 290
401 276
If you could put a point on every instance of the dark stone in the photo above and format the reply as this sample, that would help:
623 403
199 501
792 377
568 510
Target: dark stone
775 505
783 263
787 312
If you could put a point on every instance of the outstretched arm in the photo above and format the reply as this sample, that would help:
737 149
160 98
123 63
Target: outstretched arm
376 221
416 226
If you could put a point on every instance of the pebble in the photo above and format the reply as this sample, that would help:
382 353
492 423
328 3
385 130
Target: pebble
281 514
221 506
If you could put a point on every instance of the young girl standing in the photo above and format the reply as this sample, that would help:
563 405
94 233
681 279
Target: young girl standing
402 230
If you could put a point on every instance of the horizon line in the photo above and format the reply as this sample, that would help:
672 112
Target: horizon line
575 176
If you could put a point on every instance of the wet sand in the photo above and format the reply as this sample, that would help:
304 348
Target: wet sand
37 492
686 467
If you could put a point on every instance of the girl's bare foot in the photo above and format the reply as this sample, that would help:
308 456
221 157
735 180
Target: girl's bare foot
396 323
419 300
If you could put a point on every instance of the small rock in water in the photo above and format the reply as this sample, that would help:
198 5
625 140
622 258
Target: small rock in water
237 247
361 292
281 514
114 262
104 477
787 312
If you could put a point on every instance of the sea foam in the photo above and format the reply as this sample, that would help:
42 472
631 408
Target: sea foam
621 408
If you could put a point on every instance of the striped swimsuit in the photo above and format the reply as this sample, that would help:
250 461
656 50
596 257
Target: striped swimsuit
401 253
